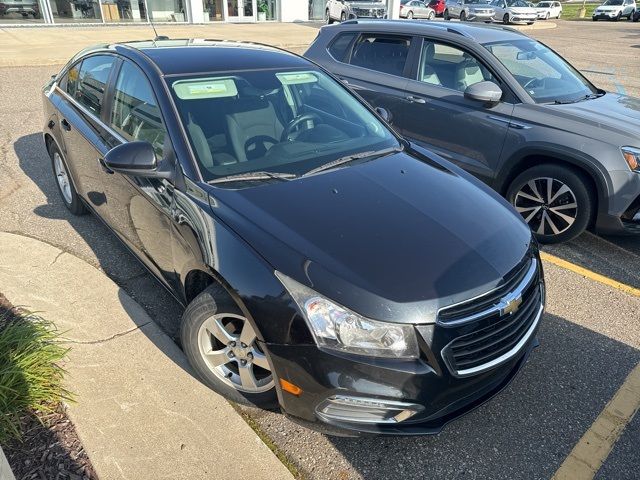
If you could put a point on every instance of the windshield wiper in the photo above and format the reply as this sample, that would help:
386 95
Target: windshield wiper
351 158
252 176
590 96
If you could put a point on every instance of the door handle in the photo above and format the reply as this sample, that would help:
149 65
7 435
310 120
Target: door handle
413 99
65 125
104 166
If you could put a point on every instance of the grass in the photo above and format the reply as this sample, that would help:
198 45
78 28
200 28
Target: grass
570 10
30 374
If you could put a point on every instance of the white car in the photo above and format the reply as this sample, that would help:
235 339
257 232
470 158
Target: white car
547 10
615 9
416 9
515 11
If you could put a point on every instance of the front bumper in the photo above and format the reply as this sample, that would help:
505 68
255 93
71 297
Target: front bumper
606 15
542 15
481 17
439 391
621 213
524 18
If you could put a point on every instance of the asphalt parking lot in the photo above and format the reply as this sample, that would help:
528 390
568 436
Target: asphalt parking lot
590 337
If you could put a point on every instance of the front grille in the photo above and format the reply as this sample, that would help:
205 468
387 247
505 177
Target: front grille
506 318
369 12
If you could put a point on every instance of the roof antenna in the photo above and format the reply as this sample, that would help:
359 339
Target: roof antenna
158 37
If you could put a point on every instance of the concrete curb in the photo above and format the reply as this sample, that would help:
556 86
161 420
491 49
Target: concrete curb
5 469
139 412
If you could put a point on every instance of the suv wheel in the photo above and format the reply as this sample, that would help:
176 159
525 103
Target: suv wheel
446 16
67 190
221 345
505 19
553 200
463 16
343 17
328 18
432 15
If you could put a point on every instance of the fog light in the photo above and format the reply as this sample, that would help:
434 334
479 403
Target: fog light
344 408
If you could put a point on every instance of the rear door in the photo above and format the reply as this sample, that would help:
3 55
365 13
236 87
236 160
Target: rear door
375 65
437 115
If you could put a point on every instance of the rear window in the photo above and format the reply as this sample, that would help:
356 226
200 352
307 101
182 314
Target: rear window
383 53
339 47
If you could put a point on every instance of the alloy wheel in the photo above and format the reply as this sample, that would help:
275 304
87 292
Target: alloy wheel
62 177
548 205
228 345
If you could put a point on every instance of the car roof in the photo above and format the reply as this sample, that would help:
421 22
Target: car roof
474 32
193 56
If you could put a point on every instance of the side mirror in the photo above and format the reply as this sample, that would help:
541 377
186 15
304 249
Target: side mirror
384 113
135 158
486 92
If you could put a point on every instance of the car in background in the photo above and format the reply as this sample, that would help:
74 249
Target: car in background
636 16
470 10
416 9
438 6
615 10
25 8
548 9
506 108
514 11
343 10
245 178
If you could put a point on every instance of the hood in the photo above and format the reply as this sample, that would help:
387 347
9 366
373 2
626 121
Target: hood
523 10
611 113
483 7
382 235
609 8
375 5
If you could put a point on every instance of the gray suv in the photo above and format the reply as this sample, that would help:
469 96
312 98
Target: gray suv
507 109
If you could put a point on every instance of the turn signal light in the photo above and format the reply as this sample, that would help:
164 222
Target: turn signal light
631 159
290 387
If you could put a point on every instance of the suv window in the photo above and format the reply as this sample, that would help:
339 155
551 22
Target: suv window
450 67
135 113
340 45
92 81
383 53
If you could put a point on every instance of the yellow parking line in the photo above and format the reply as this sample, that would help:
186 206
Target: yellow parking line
594 447
589 274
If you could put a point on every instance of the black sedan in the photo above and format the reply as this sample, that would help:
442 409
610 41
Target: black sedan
327 266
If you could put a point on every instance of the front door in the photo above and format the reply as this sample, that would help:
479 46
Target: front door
437 115
241 10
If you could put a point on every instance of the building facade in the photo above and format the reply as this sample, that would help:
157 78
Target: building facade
60 12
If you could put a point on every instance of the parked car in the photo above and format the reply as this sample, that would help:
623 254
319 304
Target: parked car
416 9
636 15
25 8
470 10
438 6
615 10
331 268
506 108
343 10
514 11
547 10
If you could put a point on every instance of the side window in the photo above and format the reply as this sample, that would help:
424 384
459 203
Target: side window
340 45
383 53
135 113
69 81
92 82
450 67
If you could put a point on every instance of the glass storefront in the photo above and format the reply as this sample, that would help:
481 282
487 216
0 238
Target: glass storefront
20 12
75 11
166 10
213 10
267 10
317 9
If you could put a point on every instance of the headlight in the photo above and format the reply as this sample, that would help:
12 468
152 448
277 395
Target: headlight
632 156
338 328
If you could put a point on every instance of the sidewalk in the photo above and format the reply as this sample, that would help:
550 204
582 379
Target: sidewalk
139 412
56 45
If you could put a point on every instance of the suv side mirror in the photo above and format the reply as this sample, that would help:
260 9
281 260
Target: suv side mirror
486 92
135 158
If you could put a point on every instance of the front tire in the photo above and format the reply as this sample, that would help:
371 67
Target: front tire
553 201
328 17
446 16
343 17
64 182
221 345
432 15
410 16
463 16
505 19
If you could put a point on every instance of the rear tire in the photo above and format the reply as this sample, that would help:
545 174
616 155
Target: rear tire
328 17
564 214
213 323
463 16
64 182
410 16
446 16
343 17
432 16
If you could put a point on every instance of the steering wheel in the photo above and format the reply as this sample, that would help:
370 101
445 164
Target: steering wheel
532 82
300 119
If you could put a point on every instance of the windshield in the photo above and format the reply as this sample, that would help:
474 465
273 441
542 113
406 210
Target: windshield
544 4
542 73
613 2
282 121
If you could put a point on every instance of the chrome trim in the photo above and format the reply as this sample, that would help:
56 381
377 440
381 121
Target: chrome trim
505 356
405 410
497 307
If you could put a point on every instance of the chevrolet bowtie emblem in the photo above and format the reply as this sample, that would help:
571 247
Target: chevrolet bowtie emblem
511 305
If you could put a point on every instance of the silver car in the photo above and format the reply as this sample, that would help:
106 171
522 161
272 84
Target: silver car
470 10
614 10
416 9
548 9
342 10
514 11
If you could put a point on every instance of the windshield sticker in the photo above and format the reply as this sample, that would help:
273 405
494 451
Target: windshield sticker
205 88
296 78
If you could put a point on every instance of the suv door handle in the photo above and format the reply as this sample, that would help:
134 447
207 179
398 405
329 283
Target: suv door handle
413 99
65 125
104 166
